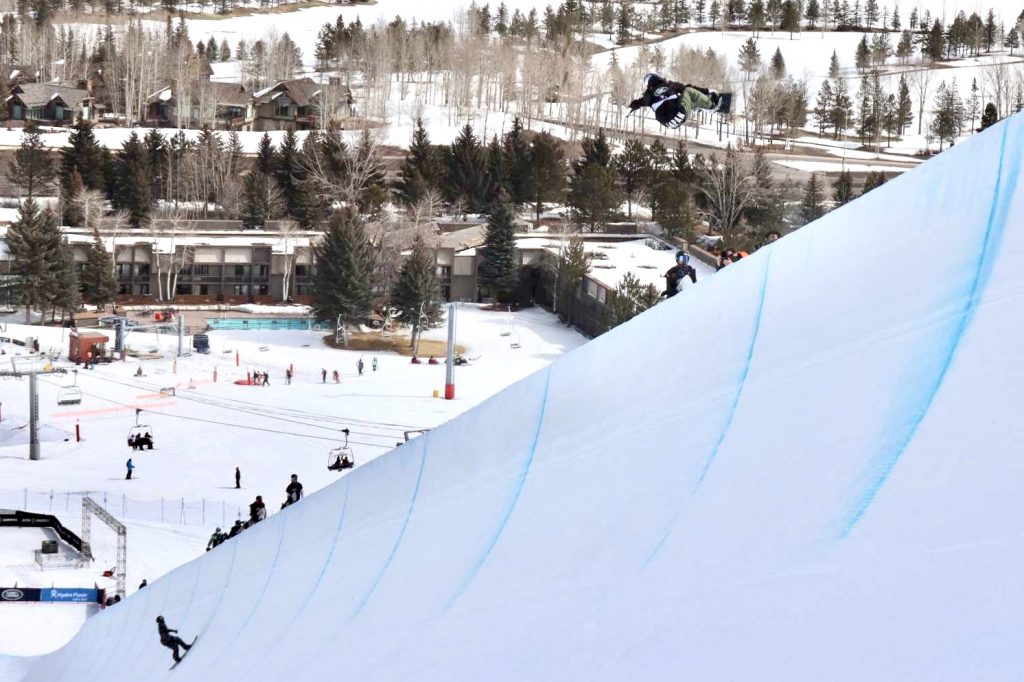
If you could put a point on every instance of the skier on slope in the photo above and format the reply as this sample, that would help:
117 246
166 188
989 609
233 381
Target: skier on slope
169 638
672 102
675 275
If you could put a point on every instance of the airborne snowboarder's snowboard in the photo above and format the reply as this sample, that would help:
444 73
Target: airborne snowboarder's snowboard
724 103
185 653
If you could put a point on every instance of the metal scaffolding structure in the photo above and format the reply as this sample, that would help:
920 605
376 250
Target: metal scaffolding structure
89 509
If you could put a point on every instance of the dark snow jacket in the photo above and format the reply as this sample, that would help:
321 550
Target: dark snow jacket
294 491
675 275
672 101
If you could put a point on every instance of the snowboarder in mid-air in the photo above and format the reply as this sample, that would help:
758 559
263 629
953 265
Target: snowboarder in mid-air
675 275
672 102
169 638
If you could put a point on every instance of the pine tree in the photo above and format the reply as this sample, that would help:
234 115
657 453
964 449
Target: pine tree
571 267
778 66
265 155
497 177
989 117
905 48
862 60
593 196
31 170
66 295
812 206
824 105
790 17
416 294
83 155
935 43
749 57
833 66
630 298
132 183
342 278
420 171
812 12
948 120
499 267
33 242
842 188
842 107
547 167
99 286
225 50
632 167
766 208
466 171
873 180
518 168
260 200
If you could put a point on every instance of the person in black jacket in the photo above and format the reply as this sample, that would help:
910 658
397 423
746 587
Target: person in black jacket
294 491
675 275
672 102
170 639
257 510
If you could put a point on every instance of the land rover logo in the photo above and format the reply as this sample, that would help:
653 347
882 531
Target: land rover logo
11 595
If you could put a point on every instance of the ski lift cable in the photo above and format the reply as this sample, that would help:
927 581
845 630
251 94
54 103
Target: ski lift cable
300 413
236 425
267 413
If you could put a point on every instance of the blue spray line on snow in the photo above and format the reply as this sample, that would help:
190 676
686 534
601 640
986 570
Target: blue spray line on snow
266 583
520 482
883 463
730 413
330 553
401 533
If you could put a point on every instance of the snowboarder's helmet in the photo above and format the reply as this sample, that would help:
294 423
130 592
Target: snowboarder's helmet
295 475
682 257
159 619
649 77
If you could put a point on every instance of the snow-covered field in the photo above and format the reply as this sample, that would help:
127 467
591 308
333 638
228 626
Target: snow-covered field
204 432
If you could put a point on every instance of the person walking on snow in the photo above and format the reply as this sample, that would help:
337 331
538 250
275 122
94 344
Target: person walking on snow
672 102
359 366
238 478
130 466
375 364
169 638
323 376
294 490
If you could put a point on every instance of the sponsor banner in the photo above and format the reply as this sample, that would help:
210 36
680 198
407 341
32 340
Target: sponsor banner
19 594
69 594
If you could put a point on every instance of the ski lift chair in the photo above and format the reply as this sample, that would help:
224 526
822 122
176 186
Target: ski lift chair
341 458
140 430
70 395
506 326
515 343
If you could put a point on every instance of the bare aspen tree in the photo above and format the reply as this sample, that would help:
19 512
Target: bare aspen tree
921 80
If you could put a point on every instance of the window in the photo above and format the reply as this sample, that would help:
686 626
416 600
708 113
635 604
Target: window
444 273
301 270
143 289
141 270
123 270
264 290
241 290
243 270
259 271
282 111
303 290
183 289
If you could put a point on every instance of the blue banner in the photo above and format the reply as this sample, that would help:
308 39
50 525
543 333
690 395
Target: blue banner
68 594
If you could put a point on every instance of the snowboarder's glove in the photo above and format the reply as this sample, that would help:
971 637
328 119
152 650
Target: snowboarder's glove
635 104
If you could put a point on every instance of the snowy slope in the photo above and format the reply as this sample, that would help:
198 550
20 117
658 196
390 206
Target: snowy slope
806 470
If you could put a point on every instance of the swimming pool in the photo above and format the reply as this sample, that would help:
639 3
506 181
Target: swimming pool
273 323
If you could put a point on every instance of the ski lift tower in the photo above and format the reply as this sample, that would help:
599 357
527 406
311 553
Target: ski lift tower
449 379
32 366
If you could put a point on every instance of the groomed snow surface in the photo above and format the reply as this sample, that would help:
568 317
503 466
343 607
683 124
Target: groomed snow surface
183 489
806 469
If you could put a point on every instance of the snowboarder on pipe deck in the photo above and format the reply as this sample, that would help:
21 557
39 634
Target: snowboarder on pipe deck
675 275
672 102
170 639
